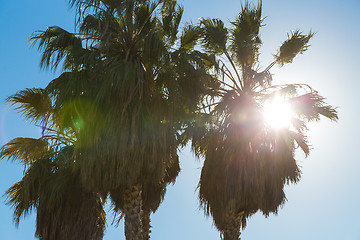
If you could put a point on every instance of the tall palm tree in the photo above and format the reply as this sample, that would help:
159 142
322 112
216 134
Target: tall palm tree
247 162
121 93
65 209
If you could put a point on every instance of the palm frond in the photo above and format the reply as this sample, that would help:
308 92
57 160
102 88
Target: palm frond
311 106
154 48
215 35
57 44
23 205
302 142
25 150
23 196
33 103
189 37
245 39
64 208
297 43
171 14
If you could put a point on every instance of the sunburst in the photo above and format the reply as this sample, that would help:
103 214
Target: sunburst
277 113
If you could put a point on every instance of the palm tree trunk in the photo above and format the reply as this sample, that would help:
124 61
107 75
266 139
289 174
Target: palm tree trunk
145 220
133 212
233 224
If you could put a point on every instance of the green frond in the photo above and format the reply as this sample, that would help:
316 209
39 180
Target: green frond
215 35
245 38
154 48
297 43
91 24
69 85
189 37
210 61
171 14
83 59
145 18
56 45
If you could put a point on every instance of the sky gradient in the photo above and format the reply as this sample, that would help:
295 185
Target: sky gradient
323 205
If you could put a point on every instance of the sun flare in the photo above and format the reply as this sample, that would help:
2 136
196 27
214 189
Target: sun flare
278 113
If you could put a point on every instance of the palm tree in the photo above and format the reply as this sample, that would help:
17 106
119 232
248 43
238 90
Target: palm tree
65 209
121 92
247 162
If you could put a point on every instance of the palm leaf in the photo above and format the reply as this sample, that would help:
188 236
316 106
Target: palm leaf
189 37
297 43
33 103
25 150
171 14
215 35
57 44
311 106
245 39
23 195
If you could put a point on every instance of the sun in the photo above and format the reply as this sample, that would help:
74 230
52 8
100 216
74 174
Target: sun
277 113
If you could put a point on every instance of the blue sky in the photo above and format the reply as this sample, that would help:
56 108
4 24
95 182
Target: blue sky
324 205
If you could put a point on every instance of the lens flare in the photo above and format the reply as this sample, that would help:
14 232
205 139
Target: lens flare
277 113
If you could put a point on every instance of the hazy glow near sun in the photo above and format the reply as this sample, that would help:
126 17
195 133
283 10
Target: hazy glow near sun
277 113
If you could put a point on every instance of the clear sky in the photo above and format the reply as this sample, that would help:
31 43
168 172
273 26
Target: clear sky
324 205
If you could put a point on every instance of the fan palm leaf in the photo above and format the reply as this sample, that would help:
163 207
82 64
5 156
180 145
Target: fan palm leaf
33 103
